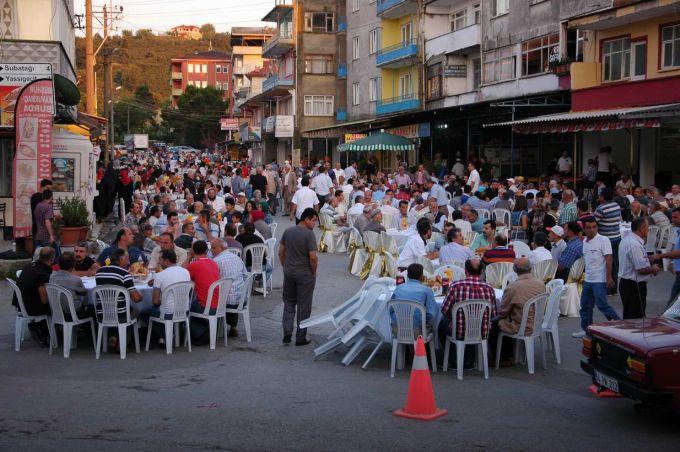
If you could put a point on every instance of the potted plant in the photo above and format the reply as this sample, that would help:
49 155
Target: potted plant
561 67
74 225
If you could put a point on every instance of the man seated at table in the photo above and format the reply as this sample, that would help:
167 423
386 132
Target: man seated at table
84 264
499 252
169 273
67 278
414 290
230 267
187 236
165 242
462 225
455 250
441 240
115 274
229 236
362 220
248 237
470 288
375 222
477 222
404 219
203 272
416 246
31 283
330 208
205 228
358 206
540 252
484 240
515 297
123 241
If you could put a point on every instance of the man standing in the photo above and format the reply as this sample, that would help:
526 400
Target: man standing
289 187
597 251
673 254
568 212
45 184
303 199
634 270
298 256
258 181
564 165
322 184
44 215
608 216
351 171
473 178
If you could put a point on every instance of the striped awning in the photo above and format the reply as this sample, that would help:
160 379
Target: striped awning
380 141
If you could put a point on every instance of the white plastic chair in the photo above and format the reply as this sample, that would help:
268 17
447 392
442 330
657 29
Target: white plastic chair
271 252
457 273
404 312
550 326
427 264
484 213
236 251
664 237
243 307
508 279
272 227
57 295
22 318
652 239
502 216
258 252
182 294
495 273
538 304
224 287
470 237
473 313
552 285
545 270
106 304
521 249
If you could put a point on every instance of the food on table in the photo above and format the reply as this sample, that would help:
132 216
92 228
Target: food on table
138 269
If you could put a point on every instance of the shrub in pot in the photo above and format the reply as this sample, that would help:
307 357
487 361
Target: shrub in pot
75 220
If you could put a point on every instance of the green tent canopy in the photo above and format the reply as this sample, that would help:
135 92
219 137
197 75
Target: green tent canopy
380 141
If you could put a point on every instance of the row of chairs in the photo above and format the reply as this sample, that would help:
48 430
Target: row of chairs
659 241
107 300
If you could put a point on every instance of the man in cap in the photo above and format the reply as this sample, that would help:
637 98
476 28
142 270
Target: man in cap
556 234
375 219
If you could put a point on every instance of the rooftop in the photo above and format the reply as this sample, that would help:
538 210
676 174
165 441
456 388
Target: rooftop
209 55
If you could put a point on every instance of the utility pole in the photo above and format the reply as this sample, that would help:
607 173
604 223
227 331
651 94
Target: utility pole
90 92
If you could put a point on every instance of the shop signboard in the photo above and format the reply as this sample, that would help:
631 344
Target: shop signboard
349 137
284 126
13 77
229 124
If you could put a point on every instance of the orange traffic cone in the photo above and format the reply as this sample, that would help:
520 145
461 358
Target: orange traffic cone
420 398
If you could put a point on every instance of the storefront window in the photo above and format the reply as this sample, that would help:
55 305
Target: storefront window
6 166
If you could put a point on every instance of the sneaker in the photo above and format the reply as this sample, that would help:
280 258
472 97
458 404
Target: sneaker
287 338
578 334
303 342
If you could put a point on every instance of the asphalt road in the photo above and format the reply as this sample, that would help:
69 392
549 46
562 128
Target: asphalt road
264 395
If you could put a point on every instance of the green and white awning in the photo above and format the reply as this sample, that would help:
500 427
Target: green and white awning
380 141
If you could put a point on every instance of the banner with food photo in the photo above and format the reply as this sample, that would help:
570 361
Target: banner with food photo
33 159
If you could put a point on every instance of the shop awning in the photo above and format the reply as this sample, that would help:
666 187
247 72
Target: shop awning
380 141
594 120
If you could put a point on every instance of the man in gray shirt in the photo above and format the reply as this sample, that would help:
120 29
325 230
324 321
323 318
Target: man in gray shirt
65 278
298 257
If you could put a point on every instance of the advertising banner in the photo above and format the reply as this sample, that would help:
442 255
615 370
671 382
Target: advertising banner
13 77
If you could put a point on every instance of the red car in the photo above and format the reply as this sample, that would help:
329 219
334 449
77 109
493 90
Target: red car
638 358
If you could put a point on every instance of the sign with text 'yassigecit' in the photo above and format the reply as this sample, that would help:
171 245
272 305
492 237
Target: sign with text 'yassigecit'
13 77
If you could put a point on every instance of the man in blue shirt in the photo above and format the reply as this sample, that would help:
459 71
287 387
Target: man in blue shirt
124 240
476 221
673 254
572 251
414 290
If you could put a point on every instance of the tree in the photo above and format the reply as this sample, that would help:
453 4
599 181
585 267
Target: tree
196 120
137 111
207 32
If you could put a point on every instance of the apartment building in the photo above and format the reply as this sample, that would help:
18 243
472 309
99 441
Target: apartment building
201 69
302 91
246 57
187 32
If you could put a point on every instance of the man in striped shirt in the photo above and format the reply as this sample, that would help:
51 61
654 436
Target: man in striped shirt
608 217
568 213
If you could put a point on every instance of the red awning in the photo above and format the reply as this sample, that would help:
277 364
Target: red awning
585 126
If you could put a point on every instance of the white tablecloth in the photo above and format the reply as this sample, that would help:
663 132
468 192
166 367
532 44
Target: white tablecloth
143 288
401 236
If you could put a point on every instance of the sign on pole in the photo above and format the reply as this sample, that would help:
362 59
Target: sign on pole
229 123
13 77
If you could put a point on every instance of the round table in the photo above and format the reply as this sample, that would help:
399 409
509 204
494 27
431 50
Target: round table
142 287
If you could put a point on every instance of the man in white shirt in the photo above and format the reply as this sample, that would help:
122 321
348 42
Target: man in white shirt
171 273
166 241
597 252
322 185
338 172
351 171
473 179
303 199
402 178
540 252
635 270
462 225
387 209
558 244
458 169
415 247
455 250
564 164
437 192
358 207
216 202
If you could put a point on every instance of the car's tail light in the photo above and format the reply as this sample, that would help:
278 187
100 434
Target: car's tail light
638 369
587 347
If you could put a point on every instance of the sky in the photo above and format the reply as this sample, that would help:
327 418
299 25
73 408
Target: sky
161 15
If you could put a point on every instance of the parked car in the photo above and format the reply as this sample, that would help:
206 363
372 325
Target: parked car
637 358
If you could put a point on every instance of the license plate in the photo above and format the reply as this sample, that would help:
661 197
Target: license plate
606 382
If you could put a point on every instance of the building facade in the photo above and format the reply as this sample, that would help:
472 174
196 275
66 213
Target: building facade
201 69
187 32
246 57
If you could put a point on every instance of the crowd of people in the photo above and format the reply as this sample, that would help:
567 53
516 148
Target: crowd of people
184 213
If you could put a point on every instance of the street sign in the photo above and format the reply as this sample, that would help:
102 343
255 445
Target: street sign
229 123
13 77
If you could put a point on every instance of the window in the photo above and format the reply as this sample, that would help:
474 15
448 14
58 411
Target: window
319 105
459 20
373 89
616 59
355 6
204 83
218 85
355 48
499 65
575 45
405 86
477 12
499 7
406 35
190 67
319 64
639 63
434 82
476 73
536 53
225 69
373 40
218 68
355 94
319 22
670 46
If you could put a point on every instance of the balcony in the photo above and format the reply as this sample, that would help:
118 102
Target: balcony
342 71
280 7
397 104
245 68
341 115
176 75
398 55
393 9
275 86
278 45
454 42
177 91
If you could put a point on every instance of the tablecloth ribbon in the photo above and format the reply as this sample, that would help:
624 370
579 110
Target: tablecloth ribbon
579 282
366 269
352 249
322 241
